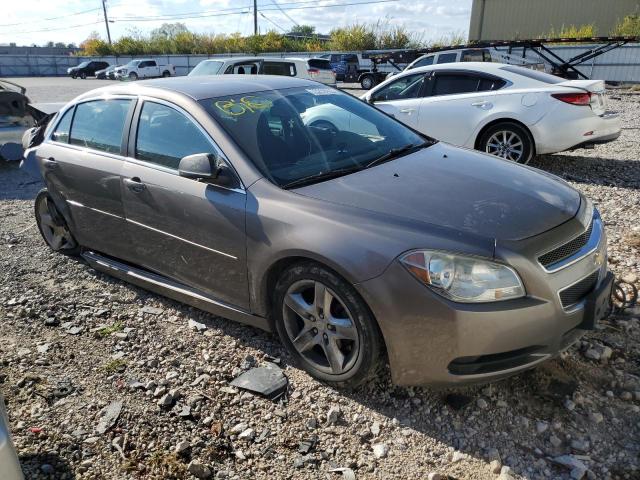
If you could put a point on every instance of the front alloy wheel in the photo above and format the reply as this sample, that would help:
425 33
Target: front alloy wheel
326 326
367 82
320 327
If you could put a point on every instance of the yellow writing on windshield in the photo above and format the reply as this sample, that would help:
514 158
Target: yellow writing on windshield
250 103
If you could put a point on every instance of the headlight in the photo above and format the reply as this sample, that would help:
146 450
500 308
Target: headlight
464 279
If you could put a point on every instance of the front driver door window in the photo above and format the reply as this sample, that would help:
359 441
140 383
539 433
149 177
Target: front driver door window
401 98
188 230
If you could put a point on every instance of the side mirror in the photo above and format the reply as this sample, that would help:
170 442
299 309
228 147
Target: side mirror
207 167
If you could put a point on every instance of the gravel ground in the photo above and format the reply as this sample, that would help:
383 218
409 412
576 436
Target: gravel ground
74 341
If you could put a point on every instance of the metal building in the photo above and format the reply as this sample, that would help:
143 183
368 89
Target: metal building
523 19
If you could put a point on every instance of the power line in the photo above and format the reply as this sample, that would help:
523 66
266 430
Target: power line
50 18
54 29
185 16
284 13
272 22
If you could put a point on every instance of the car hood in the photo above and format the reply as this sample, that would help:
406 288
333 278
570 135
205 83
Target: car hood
460 189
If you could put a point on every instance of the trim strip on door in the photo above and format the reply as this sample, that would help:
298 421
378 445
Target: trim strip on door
78 204
182 239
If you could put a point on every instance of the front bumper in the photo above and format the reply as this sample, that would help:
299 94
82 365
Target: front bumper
433 341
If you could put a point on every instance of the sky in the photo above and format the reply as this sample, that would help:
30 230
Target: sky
37 22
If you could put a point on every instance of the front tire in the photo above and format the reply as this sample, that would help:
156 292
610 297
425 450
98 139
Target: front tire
326 326
133 76
52 226
508 140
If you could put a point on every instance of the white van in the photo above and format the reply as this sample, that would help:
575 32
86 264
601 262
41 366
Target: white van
318 69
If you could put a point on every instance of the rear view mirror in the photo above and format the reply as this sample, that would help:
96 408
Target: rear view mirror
207 167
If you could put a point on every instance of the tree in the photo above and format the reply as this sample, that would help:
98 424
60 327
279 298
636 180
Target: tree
169 30
303 30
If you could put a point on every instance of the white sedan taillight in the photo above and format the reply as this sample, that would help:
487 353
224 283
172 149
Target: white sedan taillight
583 98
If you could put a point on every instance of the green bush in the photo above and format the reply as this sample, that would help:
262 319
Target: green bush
175 38
629 26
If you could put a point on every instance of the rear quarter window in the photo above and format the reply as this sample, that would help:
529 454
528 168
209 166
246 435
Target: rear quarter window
447 57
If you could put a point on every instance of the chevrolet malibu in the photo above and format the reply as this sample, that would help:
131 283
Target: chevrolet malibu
356 245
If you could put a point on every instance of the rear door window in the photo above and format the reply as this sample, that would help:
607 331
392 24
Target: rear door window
452 83
61 133
165 136
472 56
447 57
99 124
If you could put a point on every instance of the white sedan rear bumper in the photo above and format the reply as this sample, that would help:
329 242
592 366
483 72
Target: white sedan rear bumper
575 127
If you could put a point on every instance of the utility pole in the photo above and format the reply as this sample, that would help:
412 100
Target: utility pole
106 21
255 17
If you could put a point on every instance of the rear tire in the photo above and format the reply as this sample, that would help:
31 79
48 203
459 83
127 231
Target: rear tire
83 76
508 140
336 338
166 74
53 227
367 82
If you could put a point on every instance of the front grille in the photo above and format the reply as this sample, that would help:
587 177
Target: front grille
568 249
576 292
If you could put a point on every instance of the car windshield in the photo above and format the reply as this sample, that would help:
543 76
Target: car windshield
83 64
133 63
303 135
211 67
533 74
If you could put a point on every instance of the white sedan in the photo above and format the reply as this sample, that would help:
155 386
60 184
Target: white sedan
505 110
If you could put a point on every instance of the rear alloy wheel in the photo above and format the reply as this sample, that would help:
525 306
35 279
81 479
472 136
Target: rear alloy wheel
133 76
508 140
367 82
53 227
326 326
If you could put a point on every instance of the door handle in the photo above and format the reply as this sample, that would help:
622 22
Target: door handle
407 110
483 104
50 163
134 184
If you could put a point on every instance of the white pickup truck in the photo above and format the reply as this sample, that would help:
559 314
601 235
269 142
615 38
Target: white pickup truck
144 68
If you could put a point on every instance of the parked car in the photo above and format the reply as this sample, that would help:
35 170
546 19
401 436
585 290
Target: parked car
340 63
505 110
460 266
86 69
312 68
108 73
144 68
8 457
17 115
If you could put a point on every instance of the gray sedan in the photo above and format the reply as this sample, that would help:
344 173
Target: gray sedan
356 245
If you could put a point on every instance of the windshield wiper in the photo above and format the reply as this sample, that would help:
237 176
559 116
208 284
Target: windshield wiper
318 177
397 152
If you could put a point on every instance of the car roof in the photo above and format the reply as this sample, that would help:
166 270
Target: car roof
205 86
485 67
231 59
